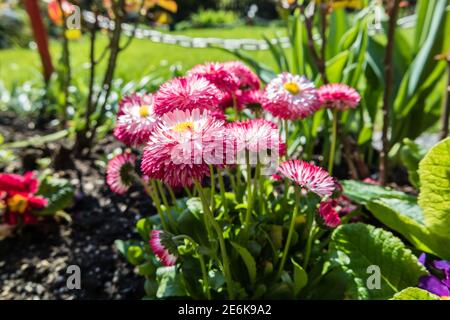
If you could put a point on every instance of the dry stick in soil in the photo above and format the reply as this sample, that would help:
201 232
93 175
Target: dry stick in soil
388 74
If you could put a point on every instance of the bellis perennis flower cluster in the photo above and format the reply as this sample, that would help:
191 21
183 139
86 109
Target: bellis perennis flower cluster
216 124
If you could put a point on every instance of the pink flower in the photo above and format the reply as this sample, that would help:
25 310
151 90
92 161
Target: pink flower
119 172
182 146
254 135
338 96
159 241
135 119
291 97
217 74
187 93
308 176
249 98
247 79
327 210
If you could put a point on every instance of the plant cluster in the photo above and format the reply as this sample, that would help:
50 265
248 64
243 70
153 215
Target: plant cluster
249 221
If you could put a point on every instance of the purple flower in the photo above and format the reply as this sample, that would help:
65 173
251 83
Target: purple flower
434 284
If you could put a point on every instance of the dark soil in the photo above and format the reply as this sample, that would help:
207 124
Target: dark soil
34 262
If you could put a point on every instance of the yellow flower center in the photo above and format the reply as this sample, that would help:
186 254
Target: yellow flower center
183 126
17 203
292 87
144 111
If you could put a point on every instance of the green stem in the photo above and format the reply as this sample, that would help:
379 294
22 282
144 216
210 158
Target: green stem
291 232
333 143
205 276
223 249
286 136
222 191
249 190
188 192
202 264
157 185
172 195
309 244
213 187
156 202
231 177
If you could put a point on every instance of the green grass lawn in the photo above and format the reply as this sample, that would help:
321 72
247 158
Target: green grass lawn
140 59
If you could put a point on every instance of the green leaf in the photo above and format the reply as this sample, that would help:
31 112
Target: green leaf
363 193
434 197
58 192
359 246
336 65
144 227
411 154
407 218
415 294
169 283
248 260
147 269
135 255
300 278
366 134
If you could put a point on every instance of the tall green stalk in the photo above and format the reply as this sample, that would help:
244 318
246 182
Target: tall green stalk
223 249
290 232
333 143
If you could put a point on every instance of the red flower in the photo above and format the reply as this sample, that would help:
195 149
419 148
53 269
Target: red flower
327 210
17 183
19 199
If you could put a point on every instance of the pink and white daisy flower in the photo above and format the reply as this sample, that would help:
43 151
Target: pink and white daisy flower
291 97
254 135
338 96
119 172
187 93
329 214
308 176
182 146
247 79
160 245
135 119
217 74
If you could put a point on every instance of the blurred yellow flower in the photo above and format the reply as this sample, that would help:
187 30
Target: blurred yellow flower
73 34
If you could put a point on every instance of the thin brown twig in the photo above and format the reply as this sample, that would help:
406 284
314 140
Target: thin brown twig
388 72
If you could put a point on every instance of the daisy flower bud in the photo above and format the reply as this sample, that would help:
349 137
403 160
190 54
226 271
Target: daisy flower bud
119 172
163 247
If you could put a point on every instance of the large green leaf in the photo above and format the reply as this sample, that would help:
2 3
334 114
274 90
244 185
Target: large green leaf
415 294
358 246
363 193
434 198
58 192
406 217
